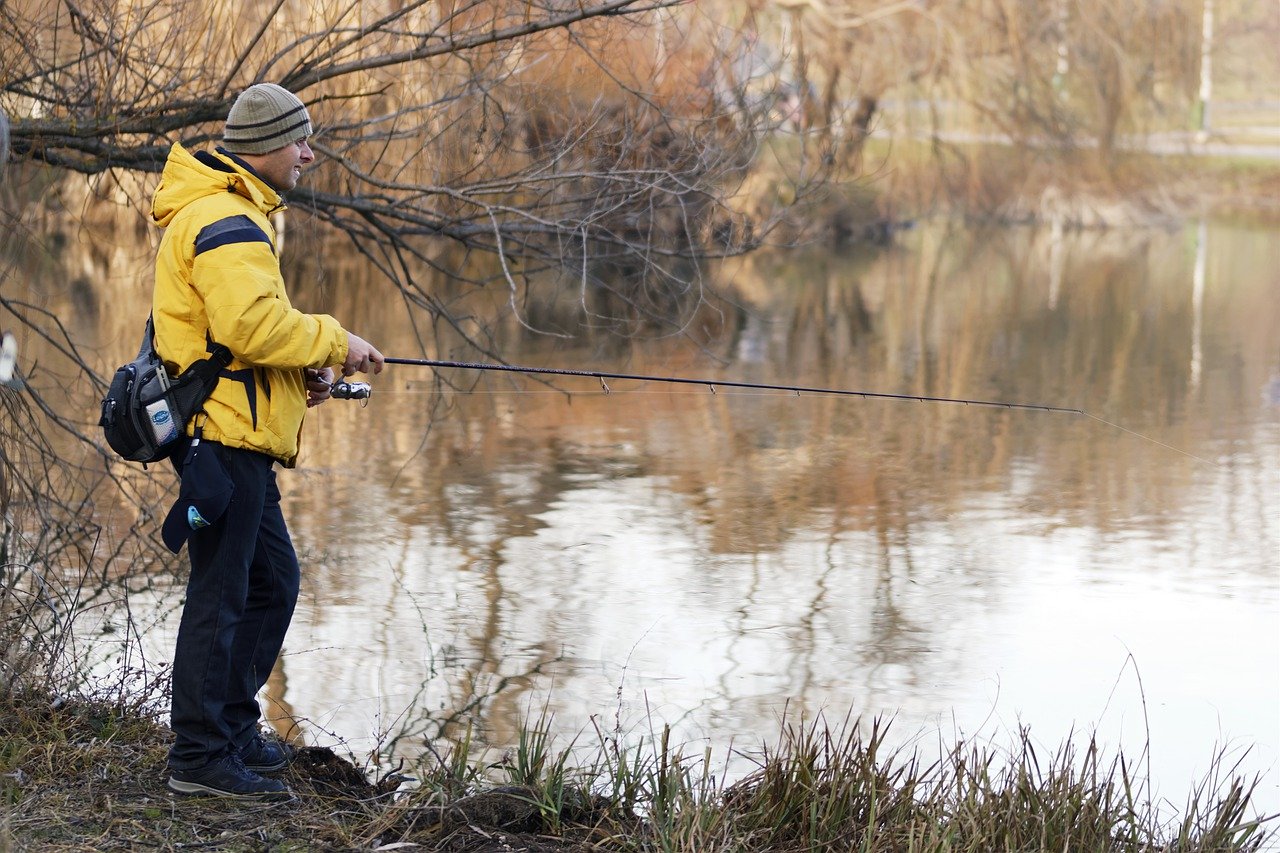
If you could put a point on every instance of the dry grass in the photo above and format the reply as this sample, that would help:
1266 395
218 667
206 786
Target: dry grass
88 774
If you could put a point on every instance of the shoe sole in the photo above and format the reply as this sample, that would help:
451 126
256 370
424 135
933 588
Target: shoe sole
196 789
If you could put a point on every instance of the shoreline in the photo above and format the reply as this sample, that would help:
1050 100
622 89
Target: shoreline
88 775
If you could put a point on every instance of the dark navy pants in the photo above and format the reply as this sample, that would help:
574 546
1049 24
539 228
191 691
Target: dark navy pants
240 599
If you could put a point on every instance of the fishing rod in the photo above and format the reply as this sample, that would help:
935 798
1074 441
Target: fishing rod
362 391
710 384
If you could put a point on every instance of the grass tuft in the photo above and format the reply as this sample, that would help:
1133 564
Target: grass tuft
81 774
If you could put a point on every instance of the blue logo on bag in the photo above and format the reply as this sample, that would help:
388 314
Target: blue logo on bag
160 418
194 519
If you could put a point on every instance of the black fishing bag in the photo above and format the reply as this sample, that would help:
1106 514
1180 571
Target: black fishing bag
145 413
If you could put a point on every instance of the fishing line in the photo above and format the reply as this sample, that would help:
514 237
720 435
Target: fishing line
713 384
1154 441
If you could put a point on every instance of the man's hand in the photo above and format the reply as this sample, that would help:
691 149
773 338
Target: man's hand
362 357
319 385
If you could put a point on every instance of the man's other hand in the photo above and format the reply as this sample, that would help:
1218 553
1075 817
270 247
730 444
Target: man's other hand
362 357
319 385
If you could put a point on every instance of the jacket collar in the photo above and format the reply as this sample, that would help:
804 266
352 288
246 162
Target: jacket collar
189 176
246 181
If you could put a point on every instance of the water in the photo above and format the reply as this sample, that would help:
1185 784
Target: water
714 561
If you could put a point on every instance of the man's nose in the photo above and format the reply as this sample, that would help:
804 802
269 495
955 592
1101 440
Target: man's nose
306 155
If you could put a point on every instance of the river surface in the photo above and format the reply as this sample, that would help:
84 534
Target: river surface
719 560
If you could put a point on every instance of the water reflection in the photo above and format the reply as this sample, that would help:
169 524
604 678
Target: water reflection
661 553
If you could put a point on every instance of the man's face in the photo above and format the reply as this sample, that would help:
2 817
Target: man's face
282 168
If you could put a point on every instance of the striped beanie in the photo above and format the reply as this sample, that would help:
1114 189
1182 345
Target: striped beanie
265 117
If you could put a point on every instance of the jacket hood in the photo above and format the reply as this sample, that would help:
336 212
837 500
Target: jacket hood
187 178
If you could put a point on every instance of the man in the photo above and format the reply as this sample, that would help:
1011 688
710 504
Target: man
218 280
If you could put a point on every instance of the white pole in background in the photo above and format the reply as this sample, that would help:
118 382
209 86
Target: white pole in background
1206 74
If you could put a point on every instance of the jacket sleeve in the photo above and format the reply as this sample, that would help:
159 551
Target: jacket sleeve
237 275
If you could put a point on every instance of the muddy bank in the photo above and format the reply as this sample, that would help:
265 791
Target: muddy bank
86 777
102 796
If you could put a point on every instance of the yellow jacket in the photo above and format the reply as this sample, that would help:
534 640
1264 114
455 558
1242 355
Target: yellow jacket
218 279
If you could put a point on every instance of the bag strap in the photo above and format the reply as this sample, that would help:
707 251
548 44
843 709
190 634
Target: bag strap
197 382
193 386
148 338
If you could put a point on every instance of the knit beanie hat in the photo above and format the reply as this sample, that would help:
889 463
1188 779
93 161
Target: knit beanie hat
265 117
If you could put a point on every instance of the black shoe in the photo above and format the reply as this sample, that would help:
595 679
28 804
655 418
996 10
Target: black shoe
266 755
227 777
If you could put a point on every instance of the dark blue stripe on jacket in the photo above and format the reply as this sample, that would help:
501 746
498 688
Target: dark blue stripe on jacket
233 229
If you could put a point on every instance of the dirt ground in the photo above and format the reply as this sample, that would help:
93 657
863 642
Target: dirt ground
77 781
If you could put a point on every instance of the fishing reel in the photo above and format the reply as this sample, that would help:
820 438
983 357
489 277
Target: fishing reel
351 391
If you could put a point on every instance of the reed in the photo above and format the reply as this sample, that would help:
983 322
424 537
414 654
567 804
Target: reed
86 772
